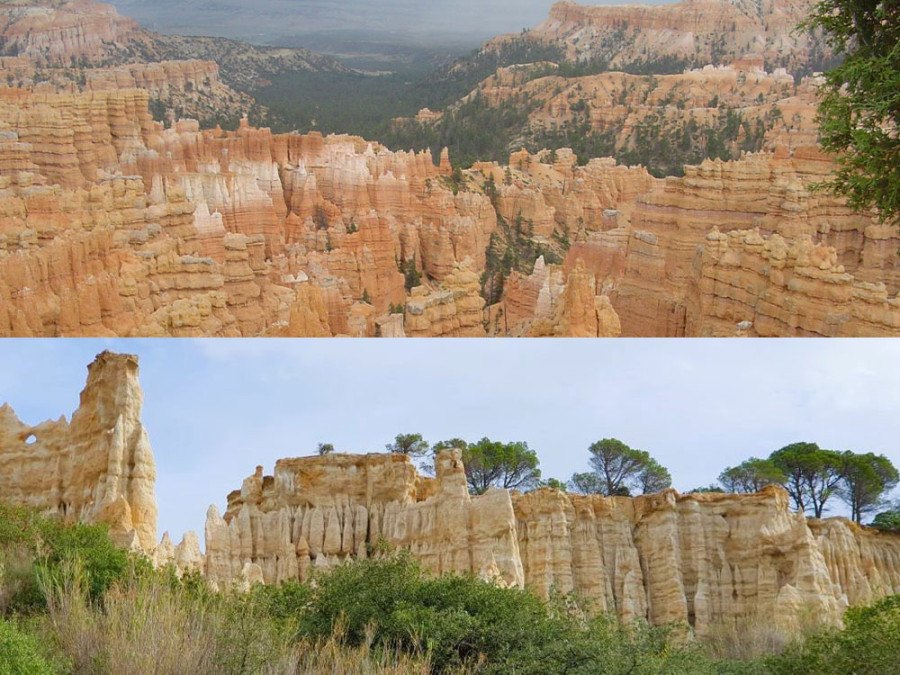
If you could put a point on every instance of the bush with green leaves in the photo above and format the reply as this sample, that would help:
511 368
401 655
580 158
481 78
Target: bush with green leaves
888 521
20 653
45 543
461 621
866 646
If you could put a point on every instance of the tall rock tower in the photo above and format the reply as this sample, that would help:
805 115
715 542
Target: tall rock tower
98 468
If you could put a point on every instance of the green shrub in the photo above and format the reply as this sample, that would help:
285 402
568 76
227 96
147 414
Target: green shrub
888 521
460 621
866 646
20 653
46 543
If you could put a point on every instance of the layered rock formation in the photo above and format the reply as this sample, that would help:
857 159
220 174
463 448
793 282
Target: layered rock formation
83 33
741 106
62 32
113 224
98 467
748 242
318 511
703 559
693 31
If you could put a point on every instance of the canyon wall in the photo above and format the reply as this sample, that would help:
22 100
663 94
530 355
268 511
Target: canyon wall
702 559
748 247
112 223
693 31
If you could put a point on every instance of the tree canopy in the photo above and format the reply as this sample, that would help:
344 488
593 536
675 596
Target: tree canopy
619 470
812 474
586 483
449 444
864 480
751 475
408 444
888 520
859 108
513 466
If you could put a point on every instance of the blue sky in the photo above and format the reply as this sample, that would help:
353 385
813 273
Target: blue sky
215 409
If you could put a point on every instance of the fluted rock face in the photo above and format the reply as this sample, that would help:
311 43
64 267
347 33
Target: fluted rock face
318 511
554 302
191 232
98 467
699 559
703 559
113 225
453 310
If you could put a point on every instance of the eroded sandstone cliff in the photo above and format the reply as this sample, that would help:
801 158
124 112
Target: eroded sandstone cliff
703 559
692 32
748 243
96 467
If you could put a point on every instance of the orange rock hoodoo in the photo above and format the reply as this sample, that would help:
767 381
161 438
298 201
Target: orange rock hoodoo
113 224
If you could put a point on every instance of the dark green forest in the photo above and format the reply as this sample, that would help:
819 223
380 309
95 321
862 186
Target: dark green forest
367 105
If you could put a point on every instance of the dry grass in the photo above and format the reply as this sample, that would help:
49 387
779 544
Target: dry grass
752 638
744 640
15 572
148 627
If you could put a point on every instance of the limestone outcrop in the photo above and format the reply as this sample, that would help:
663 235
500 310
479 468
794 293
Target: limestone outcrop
702 559
96 467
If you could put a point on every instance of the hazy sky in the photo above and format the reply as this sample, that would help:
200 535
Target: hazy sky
263 19
215 409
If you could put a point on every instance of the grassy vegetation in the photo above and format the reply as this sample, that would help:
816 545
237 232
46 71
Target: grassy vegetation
94 609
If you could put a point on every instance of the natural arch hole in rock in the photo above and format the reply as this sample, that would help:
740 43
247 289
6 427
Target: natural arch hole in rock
30 439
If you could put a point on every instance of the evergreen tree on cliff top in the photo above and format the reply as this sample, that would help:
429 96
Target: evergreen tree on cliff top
412 445
619 470
859 110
